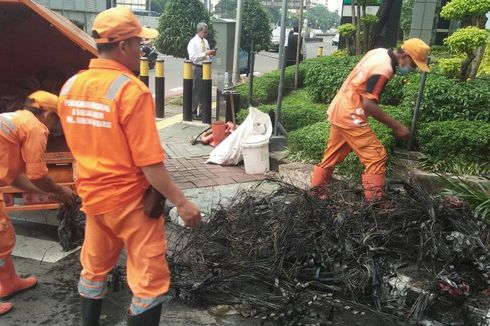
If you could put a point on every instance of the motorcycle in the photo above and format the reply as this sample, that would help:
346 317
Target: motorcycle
150 52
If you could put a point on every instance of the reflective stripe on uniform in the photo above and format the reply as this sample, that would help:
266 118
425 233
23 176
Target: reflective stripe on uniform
92 289
116 86
66 88
140 305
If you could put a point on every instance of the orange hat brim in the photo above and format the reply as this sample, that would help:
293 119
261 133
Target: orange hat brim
149 33
422 65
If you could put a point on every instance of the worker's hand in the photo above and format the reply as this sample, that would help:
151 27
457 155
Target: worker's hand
190 213
402 132
211 52
65 196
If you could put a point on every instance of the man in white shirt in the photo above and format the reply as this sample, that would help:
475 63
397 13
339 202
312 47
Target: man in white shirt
198 50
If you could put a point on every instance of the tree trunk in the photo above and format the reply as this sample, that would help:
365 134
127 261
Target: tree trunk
354 21
358 30
477 61
464 73
366 28
383 15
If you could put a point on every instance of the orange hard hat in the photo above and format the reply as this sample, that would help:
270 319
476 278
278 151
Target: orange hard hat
418 51
119 24
44 100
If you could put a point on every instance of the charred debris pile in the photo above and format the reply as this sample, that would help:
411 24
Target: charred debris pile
289 258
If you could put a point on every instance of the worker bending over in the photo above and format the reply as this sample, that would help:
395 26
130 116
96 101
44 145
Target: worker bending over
356 100
23 138
108 116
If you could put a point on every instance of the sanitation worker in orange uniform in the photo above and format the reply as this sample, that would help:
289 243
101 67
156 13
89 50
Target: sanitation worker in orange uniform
356 100
23 138
108 116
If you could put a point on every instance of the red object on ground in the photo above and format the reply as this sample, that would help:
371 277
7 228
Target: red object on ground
35 199
218 128
8 199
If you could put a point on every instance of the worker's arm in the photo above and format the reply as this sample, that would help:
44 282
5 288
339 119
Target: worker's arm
158 176
23 183
63 194
372 108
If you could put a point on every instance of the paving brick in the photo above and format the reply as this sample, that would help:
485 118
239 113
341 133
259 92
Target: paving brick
185 185
224 180
205 183
243 178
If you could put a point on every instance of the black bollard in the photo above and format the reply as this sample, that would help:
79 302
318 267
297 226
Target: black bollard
187 93
207 88
144 71
160 88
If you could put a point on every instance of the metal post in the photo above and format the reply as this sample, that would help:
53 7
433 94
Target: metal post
207 88
277 124
144 71
160 87
236 48
319 51
416 112
251 74
298 47
187 91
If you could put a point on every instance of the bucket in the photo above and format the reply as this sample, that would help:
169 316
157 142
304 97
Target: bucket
256 154
218 128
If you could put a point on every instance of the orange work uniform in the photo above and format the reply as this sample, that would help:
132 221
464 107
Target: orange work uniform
23 140
349 130
108 117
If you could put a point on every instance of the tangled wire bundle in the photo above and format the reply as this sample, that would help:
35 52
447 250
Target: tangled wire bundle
292 259
71 225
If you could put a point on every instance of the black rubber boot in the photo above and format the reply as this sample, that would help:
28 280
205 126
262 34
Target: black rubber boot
91 311
148 318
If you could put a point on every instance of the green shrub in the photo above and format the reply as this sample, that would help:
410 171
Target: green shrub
394 90
484 70
469 140
299 111
265 88
308 144
324 78
449 99
450 67
401 113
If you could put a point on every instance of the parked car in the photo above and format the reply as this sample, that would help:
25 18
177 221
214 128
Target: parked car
335 40
276 36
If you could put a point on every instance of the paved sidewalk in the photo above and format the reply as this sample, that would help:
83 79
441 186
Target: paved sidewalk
186 162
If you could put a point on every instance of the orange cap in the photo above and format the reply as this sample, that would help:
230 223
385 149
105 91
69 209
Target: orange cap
418 51
44 100
119 24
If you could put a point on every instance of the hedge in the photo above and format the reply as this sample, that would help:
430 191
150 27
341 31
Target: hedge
450 99
469 140
265 88
324 78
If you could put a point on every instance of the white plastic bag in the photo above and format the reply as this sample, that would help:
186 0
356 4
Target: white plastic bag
229 151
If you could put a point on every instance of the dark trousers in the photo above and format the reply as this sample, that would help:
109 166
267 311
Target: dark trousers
196 87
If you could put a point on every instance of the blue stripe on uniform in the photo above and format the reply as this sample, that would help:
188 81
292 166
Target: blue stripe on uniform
91 289
140 305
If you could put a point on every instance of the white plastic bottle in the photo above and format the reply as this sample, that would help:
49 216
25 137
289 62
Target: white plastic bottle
175 218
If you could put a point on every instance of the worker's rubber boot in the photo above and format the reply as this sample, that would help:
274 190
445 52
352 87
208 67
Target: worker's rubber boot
10 283
5 307
319 178
150 317
91 309
373 185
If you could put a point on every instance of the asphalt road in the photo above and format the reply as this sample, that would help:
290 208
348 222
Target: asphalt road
265 61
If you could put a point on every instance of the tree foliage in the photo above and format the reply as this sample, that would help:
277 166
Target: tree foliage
177 25
466 11
274 13
226 9
406 17
255 27
320 17
466 40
